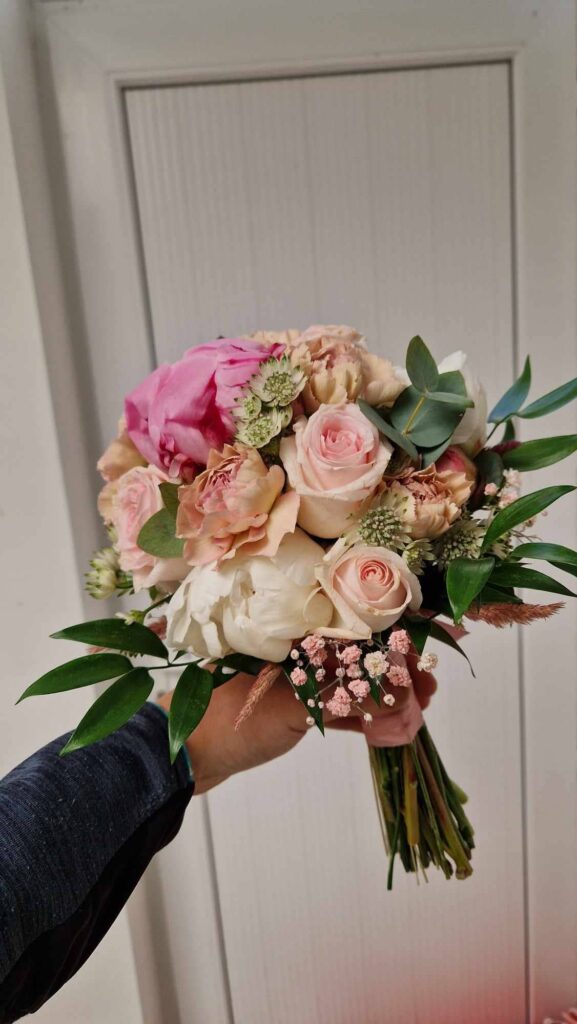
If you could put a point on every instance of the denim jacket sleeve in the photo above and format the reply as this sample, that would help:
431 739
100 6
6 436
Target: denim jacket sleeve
76 834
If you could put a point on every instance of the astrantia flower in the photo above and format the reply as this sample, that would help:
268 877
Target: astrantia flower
463 540
278 382
248 408
106 577
383 527
259 432
417 554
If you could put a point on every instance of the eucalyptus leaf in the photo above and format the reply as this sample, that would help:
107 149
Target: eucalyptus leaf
169 494
513 399
116 634
189 703
465 579
421 367
427 424
519 511
385 428
540 453
157 536
511 575
550 402
112 710
93 668
430 455
446 398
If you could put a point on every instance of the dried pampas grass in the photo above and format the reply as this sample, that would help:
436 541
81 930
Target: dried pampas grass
501 615
268 675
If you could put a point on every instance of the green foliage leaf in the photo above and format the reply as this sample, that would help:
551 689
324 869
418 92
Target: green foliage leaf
112 709
116 634
419 630
490 467
385 428
170 497
460 401
79 672
189 703
498 595
421 367
157 536
556 554
513 399
443 637
509 433
519 511
537 454
238 662
427 424
550 402
511 575
430 455
308 691
465 579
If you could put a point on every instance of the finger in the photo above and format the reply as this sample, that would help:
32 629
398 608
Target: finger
424 683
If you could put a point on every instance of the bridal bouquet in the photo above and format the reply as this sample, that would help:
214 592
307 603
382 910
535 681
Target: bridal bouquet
294 506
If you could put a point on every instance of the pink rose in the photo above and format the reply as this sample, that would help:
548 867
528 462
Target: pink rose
370 588
237 502
136 499
181 411
335 462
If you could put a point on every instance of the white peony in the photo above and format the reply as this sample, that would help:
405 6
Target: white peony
254 605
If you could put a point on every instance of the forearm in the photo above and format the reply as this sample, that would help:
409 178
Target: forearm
76 834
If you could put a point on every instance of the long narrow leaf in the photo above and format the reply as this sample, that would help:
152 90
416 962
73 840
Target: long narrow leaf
540 453
550 402
117 635
557 554
93 668
511 575
522 509
465 579
513 399
444 637
189 703
112 710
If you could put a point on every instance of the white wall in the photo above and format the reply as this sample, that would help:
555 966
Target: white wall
40 580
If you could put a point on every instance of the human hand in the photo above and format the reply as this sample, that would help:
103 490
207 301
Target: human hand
217 750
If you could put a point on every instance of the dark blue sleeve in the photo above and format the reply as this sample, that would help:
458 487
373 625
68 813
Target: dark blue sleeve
76 834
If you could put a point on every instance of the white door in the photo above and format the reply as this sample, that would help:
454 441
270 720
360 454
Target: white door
405 171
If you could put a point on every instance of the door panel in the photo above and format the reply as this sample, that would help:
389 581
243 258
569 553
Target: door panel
380 199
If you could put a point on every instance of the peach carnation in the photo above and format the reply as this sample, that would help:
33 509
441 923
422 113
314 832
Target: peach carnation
236 502
339 368
428 501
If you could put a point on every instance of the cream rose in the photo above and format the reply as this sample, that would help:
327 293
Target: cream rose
334 461
251 604
369 587
136 499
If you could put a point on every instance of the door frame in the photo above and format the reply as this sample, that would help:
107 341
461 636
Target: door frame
90 52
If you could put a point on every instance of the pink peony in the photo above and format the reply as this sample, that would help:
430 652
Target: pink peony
181 411
236 502
137 498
